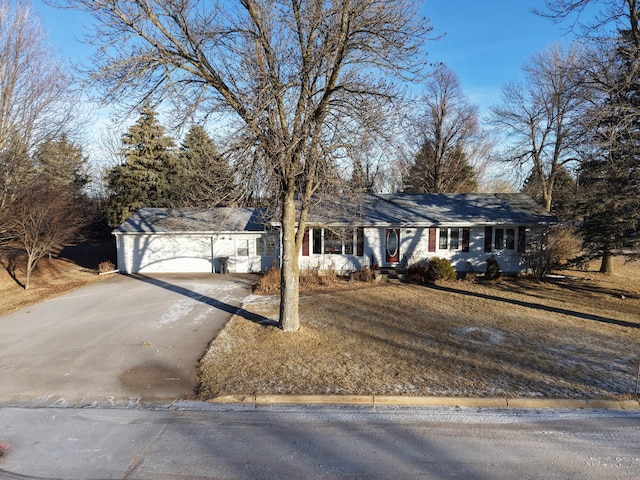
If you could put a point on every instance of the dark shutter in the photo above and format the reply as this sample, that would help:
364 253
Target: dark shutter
488 232
305 243
360 242
465 239
432 239
522 239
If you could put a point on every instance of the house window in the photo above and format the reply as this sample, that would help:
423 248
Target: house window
505 239
347 240
449 239
266 246
242 248
454 239
332 241
444 239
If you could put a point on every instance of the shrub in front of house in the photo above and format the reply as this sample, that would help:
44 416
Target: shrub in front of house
106 266
493 271
564 246
362 275
440 269
269 281
417 273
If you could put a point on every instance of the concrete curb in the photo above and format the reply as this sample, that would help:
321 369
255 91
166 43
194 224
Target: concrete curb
412 401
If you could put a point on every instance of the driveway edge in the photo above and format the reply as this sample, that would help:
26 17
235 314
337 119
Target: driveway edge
414 401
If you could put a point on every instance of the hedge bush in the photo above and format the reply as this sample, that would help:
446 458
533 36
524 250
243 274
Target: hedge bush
440 269
493 271
417 272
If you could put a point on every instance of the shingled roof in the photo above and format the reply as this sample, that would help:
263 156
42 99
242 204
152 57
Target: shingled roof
172 220
414 210
400 210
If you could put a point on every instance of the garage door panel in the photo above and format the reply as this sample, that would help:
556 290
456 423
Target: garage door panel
172 254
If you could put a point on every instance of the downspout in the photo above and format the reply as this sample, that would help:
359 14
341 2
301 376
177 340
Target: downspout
213 263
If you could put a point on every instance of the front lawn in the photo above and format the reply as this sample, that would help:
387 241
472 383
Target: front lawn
571 337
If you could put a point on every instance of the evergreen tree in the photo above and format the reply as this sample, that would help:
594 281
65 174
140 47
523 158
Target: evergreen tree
431 173
610 175
565 189
62 163
148 176
206 179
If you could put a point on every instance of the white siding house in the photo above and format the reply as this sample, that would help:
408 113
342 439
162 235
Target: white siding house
162 240
382 230
401 229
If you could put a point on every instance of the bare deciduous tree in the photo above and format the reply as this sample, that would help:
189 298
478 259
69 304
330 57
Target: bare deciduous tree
34 96
44 215
611 16
450 139
542 115
297 76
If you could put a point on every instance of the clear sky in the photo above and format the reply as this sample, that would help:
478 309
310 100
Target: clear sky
485 42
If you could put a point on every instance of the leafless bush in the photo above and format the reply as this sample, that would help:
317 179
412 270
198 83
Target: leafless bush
417 272
362 275
269 282
564 246
106 266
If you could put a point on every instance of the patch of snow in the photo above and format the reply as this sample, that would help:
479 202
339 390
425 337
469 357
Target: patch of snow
485 335
184 306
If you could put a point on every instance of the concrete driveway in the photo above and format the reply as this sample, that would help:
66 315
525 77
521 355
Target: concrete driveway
123 340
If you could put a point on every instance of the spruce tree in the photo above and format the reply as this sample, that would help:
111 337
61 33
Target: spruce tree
206 179
62 162
610 175
149 173
449 173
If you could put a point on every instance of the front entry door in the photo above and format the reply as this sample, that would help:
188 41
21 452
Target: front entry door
393 245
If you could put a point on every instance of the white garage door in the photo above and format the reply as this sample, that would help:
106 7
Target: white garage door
169 254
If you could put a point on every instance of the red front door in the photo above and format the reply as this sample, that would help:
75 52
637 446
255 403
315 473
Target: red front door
392 245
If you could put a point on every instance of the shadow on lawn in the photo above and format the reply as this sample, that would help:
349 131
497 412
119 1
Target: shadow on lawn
9 262
573 284
537 306
225 307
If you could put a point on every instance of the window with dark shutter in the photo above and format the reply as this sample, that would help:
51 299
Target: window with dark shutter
432 239
465 239
316 244
488 233
305 243
360 242
522 240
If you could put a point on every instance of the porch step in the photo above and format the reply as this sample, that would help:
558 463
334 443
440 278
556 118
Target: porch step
392 275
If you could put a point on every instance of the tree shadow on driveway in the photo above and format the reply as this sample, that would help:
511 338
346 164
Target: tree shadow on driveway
212 302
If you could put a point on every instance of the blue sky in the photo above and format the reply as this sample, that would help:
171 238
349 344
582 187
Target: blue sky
485 42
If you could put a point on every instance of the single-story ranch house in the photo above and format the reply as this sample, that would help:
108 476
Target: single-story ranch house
380 231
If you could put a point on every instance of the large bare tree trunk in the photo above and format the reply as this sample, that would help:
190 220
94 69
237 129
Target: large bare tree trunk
607 262
290 271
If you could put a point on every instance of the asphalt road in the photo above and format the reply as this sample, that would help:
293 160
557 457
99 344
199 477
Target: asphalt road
118 342
232 442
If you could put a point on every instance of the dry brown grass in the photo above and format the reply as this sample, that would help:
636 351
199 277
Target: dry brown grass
51 277
567 337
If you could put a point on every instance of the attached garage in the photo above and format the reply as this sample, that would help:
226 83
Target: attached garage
158 240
